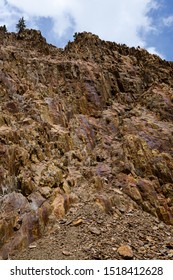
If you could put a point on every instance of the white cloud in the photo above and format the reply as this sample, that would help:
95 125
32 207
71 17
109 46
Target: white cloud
7 14
114 20
168 21
153 50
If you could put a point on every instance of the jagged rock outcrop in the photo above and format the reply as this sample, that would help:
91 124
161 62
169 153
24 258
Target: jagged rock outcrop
88 124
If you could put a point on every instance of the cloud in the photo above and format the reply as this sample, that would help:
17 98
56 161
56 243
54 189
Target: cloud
125 21
7 14
153 50
168 21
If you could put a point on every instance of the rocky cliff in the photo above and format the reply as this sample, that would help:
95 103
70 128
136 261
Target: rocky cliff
86 128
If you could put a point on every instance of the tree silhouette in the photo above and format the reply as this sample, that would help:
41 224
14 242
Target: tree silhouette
20 26
3 28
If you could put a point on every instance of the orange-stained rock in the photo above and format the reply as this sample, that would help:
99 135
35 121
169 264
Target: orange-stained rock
62 203
22 221
125 251
88 123
105 203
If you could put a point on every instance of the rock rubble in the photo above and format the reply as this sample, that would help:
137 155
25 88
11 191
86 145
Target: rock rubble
84 127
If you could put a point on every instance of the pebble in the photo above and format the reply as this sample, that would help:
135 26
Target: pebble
163 251
66 253
32 246
149 238
170 254
77 222
161 226
155 228
126 252
94 230
142 249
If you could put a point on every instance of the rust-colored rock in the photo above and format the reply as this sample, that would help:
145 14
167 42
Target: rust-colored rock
105 203
90 123
60 204
125 251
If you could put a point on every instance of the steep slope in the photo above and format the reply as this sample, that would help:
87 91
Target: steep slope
84 132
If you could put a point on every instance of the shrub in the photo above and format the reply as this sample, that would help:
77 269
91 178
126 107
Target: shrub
75 35
3 28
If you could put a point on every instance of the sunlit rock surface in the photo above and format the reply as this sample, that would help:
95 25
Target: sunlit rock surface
92 122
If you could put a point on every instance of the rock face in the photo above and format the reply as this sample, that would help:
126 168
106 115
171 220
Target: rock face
91 122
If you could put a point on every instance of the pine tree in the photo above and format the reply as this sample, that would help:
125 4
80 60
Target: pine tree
20 26
3 28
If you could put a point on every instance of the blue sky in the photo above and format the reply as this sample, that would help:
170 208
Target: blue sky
145 23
